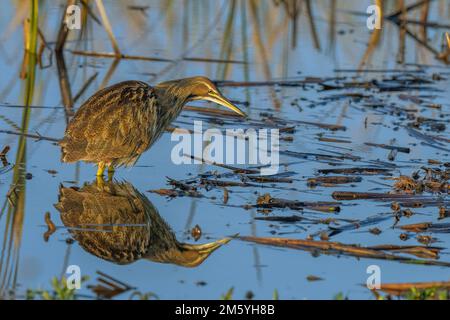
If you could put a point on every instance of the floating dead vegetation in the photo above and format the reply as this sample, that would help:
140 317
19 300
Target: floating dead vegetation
332 181
196 232
312 278
266 201
357 170
418 251
338 249
426 240
51 228
334 140
425 180
357 195
173 193
108 287
400 200
359 223
427 227
388 147
443 213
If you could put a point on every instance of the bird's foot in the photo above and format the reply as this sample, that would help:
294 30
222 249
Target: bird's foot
100 183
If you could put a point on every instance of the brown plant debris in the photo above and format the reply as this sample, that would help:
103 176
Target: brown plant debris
426 240
443 213
405 183
398 289
418 251
403 236
350 195
332 180
172 193
388 147
108 287
51 228
356 170
267 201
337 248
196 232
427 179
427 227
359 223
311 278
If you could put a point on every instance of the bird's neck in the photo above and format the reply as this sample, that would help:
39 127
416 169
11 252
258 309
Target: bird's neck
171 97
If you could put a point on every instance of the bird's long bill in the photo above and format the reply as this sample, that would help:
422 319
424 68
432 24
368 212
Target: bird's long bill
224 102
195 254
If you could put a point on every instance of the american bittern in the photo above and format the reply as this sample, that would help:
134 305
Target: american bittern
119 224
117 124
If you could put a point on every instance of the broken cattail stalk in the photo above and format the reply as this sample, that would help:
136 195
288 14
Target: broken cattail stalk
418 251
117 56
366 171
332 127
332 180
265 179
288 83
286 219
325 139
220 183
176 193
443 213
337 248
4 151
349 195
388 147
85 87
234 169
266 201
427 226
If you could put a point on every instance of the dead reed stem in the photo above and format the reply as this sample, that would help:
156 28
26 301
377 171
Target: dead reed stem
107 26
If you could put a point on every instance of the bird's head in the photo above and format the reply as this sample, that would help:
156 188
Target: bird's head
200 88
188 255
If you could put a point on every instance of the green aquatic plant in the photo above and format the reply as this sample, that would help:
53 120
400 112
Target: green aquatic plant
427 294
15 198
228 295
340 296
60 291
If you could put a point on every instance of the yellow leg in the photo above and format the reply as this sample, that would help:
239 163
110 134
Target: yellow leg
110 172
100 182
101 169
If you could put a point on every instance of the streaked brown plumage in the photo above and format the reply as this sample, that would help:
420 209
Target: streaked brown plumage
117 124
117 223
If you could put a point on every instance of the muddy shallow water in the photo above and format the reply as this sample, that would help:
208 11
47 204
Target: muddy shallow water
377 111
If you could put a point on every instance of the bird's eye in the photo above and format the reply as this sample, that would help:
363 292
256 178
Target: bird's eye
210 92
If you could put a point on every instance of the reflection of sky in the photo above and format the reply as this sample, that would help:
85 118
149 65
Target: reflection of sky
232 265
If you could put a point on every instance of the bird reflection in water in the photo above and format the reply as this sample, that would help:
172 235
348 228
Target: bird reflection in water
117 223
